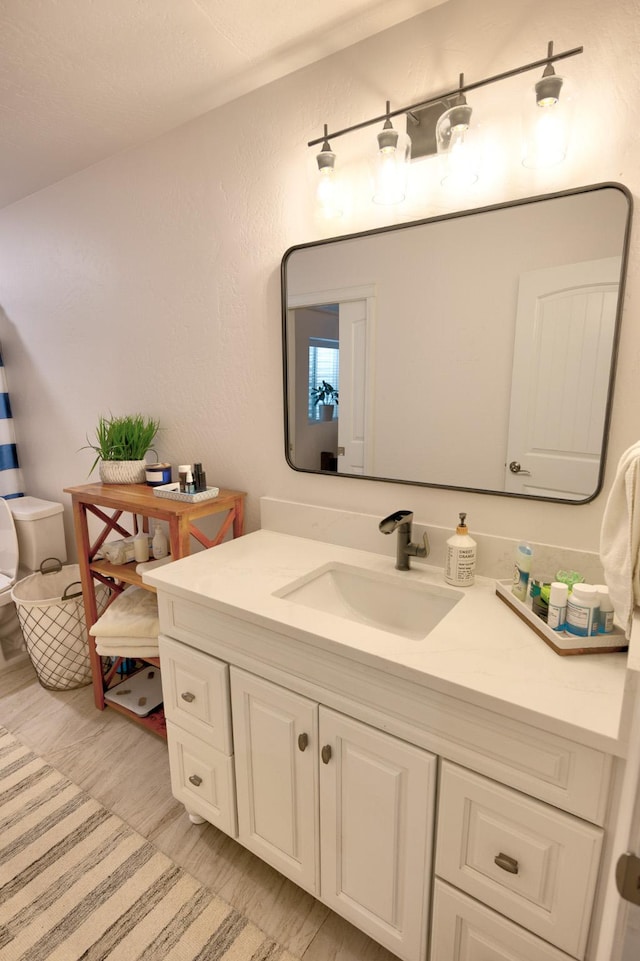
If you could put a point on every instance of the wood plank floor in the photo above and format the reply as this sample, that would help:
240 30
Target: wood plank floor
126 768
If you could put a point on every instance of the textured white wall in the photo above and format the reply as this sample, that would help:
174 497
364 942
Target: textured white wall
151 281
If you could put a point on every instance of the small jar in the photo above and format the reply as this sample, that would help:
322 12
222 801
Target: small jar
582 610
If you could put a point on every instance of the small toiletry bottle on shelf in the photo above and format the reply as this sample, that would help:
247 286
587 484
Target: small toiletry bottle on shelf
461 557
557 613
605 617
183 471
159 544
582 610
521 570
199 478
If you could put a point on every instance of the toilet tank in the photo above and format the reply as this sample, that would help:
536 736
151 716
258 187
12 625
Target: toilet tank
40 531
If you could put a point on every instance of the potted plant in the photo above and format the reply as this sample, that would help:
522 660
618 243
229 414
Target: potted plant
327 396
121 444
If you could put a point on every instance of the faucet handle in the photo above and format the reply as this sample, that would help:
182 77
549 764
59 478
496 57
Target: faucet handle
393 521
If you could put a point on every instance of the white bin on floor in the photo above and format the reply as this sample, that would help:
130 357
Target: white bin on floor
52 618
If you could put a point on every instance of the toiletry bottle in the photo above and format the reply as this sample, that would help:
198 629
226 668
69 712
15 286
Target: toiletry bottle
540 590
557 613
605 617
521 570
183 470
199 478
582 610
159 544
461 557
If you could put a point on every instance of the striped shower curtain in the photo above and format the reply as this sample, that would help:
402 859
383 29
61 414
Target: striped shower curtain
10 474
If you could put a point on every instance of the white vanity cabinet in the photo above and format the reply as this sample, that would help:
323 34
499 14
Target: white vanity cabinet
334 758
344 810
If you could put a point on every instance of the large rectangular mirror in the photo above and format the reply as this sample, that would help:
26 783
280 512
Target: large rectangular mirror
474 351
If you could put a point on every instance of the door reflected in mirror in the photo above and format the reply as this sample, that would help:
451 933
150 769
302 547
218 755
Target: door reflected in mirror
474 351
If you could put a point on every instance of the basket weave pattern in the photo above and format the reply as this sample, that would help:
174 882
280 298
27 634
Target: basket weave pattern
122 471
55 636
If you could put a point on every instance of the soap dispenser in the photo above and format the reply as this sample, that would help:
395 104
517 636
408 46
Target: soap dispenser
460 567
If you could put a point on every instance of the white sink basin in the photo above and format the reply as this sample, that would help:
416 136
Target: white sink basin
383 601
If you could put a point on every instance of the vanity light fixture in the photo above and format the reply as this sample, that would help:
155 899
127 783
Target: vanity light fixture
390 164
457 144
546 127
423 119
327 187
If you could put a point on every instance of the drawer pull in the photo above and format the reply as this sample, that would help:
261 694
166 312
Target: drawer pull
506 863
325 754
303 741
188 697
195 780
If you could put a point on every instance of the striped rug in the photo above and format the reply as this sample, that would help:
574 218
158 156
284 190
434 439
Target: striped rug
76 882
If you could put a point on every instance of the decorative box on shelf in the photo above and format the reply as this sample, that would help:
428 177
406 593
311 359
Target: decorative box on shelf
173 492
562 642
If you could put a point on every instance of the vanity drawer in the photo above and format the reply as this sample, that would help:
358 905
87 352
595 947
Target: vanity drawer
531 862
464 930
195 687
203 779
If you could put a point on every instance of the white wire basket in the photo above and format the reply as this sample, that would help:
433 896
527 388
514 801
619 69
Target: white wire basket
52 618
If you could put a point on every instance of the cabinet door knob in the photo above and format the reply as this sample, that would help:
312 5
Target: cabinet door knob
303 741
195 780
506 863
188 697
325 754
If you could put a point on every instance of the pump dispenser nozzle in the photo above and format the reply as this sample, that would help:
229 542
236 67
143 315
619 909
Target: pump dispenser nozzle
462 527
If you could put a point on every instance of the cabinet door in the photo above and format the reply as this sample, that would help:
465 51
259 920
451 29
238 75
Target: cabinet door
202 778
276 744
196 693
376 809
465 930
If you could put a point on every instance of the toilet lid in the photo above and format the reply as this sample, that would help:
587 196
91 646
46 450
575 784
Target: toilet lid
8 547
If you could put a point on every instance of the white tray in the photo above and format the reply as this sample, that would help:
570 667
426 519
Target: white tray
562 642
173 492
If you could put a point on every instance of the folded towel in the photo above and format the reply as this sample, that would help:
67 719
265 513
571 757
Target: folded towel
134 613
620 538
128 647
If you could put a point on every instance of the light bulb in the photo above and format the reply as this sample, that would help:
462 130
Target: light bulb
390 164
457 144
328 192
546 120
546 135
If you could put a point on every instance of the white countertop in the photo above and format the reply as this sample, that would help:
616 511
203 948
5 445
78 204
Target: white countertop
480 652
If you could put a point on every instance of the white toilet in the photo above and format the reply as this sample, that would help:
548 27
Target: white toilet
31 530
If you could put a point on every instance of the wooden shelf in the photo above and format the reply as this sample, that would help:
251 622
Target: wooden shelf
126 573
117 508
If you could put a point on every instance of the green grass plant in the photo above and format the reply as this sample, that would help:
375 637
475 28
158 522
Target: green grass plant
123 438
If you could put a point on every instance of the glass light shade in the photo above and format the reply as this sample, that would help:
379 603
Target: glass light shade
390 166
458 144
545 125
328 188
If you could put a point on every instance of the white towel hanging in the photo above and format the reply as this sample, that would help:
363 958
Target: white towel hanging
620 538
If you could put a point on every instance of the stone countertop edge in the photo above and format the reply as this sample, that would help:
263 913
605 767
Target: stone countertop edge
481 652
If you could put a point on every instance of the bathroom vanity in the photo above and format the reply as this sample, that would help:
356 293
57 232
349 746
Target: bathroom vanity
441 779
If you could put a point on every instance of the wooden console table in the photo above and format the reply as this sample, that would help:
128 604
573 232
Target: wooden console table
108 503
